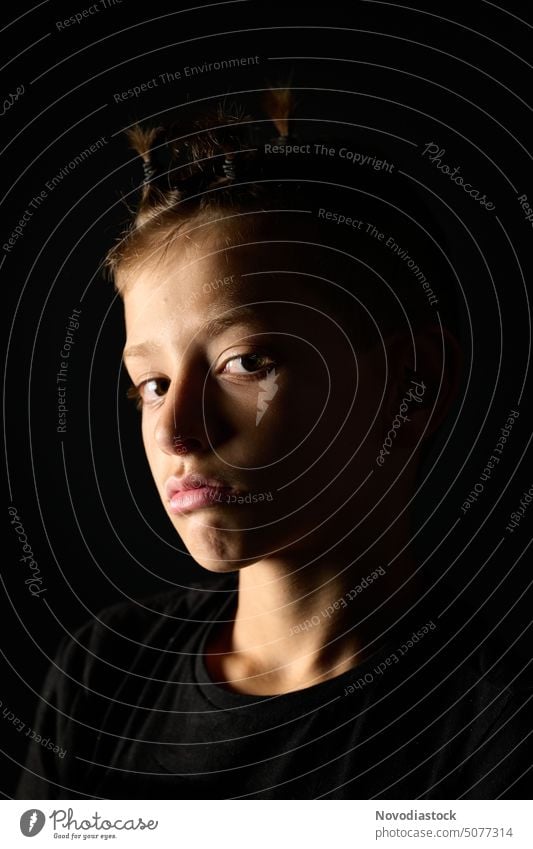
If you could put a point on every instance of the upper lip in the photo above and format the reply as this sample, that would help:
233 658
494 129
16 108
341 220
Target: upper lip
191 481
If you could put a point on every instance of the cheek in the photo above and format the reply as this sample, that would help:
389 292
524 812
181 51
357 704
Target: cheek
150 446
145 432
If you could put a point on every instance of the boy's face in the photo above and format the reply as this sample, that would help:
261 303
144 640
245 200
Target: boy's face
251 389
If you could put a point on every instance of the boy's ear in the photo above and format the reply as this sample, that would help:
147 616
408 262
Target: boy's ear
426 378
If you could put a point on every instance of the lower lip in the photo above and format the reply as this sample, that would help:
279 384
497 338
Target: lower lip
194 499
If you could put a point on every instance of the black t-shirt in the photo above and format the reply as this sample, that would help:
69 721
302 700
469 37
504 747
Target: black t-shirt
134 713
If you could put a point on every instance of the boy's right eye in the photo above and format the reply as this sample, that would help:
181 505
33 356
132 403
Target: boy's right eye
149 391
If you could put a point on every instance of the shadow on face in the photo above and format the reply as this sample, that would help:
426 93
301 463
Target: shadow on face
293 400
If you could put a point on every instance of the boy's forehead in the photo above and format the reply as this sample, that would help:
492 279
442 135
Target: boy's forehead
211 274
217 250
195 297
190 288
197 279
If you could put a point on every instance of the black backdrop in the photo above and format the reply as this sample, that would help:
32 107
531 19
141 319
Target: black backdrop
85 499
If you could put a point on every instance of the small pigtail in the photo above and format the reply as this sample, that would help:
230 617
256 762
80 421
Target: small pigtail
278 104
142 140
227 141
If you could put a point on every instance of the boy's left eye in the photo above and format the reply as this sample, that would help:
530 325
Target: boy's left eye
248 364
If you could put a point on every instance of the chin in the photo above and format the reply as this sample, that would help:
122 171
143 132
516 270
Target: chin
211 563
218 550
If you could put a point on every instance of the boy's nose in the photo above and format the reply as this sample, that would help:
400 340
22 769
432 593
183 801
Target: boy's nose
177 433
186 418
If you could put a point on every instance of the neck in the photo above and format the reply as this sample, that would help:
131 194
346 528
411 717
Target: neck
298 623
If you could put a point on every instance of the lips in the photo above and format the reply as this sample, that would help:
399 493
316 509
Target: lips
190 482
194 491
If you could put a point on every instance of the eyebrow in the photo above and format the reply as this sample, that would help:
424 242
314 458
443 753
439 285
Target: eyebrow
140 350
212 328
237 316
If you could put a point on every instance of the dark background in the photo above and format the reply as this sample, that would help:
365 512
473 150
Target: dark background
86 497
